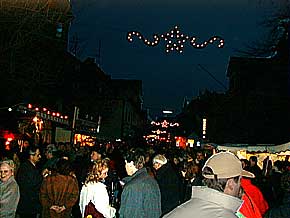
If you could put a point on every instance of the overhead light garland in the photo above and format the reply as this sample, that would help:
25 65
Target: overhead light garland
164 124
174 40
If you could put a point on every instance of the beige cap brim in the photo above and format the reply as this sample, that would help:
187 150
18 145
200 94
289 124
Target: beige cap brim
247 174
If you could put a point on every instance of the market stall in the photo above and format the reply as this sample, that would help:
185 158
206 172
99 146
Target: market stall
261 151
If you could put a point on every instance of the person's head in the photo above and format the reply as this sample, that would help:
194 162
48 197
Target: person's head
26 143
253 161
278 165
191 170
245 164
95 154
6 170
33 154
134 160
63 167
199 156
158 161
98 172
223 171
50 151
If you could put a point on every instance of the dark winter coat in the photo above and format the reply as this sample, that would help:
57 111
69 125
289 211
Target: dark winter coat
170 187
29 181
140 197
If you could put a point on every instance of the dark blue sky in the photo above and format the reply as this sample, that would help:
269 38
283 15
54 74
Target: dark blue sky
167 78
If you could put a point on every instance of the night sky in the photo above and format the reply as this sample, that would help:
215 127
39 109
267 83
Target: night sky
167 77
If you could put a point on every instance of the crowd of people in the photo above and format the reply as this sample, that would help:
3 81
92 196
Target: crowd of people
123 181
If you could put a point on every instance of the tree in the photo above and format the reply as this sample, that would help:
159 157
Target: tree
277 26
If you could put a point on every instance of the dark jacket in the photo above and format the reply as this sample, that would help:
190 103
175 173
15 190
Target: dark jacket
282 211
29 181
170 187
140 197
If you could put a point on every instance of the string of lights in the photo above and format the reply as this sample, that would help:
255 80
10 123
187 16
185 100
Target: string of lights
164 124
174 40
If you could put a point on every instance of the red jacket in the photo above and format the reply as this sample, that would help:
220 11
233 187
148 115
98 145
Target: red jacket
249 209
255 194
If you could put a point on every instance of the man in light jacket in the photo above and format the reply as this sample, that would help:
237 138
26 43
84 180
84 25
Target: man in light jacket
219 198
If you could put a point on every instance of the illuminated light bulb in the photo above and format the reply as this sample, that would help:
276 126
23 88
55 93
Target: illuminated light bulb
57 114
53 114
37 109
48 112
172 35
65 117
29 106
167 45
35 119
61 117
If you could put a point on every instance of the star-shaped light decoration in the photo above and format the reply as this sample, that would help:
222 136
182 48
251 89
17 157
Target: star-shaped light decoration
174 40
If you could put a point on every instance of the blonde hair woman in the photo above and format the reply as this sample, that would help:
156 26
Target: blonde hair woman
95 191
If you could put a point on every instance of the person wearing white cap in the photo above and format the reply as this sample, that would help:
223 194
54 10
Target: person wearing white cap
169 183
220 197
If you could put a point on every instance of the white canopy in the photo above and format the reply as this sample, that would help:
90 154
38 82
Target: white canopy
256 148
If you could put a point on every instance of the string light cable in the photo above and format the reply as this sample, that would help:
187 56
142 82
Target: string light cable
174 40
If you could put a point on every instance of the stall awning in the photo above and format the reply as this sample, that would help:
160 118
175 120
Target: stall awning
255 148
